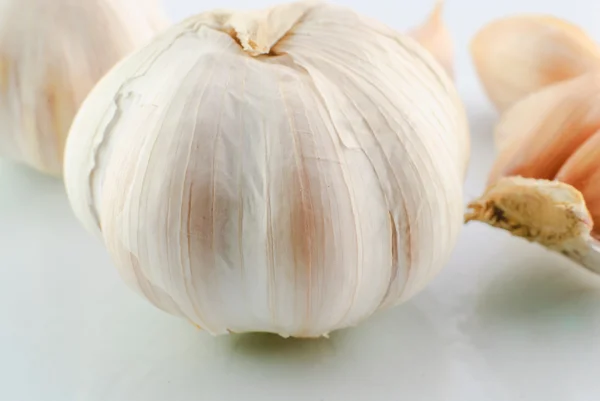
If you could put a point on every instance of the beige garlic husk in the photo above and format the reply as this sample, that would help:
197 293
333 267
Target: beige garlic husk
52 52
289 170
435 36
545 183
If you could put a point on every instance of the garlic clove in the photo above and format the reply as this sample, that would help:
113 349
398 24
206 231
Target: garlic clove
516 56
433 34
539 133
582 171
551 213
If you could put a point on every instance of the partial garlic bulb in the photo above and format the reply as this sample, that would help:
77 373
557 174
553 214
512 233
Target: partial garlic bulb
516 56
545 182
290 170
52 52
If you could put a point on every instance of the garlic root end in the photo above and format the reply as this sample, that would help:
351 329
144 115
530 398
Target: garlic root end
550 213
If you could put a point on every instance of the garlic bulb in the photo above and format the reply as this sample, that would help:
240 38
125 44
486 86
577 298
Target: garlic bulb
544 184
290 170
51 55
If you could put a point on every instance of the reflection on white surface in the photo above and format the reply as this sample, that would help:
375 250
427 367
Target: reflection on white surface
505 320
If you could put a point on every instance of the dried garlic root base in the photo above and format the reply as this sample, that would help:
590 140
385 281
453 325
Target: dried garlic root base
550 213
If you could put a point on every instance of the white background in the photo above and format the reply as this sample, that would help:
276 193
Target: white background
505 320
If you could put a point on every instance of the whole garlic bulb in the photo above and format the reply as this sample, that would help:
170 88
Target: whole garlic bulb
290 170
51 54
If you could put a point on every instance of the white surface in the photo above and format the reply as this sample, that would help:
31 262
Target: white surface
505 320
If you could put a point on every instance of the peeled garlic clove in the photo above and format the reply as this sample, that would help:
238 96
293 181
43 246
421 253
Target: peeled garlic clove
435 37
51 54
539 133
551 213
516 56
291 170
582 171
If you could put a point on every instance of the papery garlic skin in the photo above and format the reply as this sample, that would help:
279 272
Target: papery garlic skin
290 170
518 55
51 54
539 133
433 34
582 171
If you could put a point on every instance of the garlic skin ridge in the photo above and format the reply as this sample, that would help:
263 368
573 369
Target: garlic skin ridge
51 54
291 170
